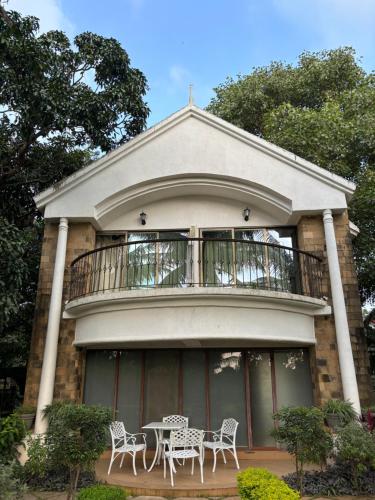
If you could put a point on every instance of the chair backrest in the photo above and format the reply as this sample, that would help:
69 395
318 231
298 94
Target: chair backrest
117 430
186 437
229 429
176 419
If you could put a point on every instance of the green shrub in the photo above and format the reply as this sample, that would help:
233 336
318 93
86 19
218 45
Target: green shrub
259 484
101 492
76 437
355 447
12 432
341 409
302 431
11 487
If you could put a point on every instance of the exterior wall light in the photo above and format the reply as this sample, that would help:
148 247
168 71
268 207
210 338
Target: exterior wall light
143 218
246 214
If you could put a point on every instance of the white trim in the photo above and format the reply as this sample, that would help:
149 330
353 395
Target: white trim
45 197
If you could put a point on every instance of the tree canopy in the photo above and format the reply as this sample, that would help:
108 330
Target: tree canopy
322 109
61 105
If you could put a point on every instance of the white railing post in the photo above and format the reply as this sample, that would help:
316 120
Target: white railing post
47 379
347 368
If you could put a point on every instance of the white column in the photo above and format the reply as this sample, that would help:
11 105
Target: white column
47 379
347 368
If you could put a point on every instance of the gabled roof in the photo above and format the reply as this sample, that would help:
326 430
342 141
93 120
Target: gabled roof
43 198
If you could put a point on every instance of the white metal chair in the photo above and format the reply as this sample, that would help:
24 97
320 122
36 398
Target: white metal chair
224 439
184 443
124 442
173 419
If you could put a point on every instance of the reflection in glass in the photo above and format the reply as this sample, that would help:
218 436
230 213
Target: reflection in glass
227 391
99 378
293 378
261 398
218 265
194 388
129 387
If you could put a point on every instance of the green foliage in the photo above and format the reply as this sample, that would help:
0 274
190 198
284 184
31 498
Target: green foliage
76 437
11 487
12 432
25 410
356 447
13 271
321 109
258 484
342 409
101 492
37 463
62 105
301 431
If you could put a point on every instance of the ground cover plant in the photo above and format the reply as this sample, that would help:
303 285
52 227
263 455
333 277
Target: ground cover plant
102 492
259 484
301 430
351 470
76 437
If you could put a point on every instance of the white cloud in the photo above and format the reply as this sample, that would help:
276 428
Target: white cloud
334 22
49 13
179 75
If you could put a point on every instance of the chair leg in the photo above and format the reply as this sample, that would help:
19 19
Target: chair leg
201 467
235 458
214 467
164 467
134 469
171 471
222 452
110 464
122 460
192 466
144 458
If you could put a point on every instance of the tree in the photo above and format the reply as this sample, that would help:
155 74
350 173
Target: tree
61 105
76 437
323 110
301 430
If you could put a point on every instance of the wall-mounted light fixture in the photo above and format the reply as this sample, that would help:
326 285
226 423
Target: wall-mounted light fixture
143 218
246 214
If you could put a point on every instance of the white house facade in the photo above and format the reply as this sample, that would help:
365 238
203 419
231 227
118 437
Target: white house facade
198 270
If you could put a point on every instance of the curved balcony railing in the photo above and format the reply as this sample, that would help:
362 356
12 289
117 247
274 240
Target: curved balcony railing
201 262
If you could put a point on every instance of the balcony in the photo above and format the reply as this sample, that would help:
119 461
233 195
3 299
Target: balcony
195 292
196 262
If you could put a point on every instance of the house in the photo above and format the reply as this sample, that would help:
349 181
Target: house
199 270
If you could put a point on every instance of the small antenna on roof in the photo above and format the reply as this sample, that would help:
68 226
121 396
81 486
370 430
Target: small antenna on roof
191 100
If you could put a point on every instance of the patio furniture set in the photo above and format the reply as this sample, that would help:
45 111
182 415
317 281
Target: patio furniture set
183 443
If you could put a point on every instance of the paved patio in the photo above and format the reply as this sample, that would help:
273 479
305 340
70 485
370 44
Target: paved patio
222 482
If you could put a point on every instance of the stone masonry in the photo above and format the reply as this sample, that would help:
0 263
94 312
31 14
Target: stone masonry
324 356
69 368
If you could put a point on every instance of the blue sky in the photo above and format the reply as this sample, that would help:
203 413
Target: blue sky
177 42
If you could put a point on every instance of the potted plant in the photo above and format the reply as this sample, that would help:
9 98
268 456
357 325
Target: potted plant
338 413
27 414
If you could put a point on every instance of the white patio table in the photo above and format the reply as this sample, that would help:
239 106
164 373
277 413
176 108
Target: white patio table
159 428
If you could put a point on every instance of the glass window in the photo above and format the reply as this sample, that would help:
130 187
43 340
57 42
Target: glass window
261 398
218 265
100 377
194 387
293 378
161 384
227 391
129 389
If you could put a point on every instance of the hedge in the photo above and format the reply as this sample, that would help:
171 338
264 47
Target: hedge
259 484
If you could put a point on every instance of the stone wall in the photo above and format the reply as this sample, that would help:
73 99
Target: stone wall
324 356
69 366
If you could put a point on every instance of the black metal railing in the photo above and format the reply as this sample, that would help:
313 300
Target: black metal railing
205 262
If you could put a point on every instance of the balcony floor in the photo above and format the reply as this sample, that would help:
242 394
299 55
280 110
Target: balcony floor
220 483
